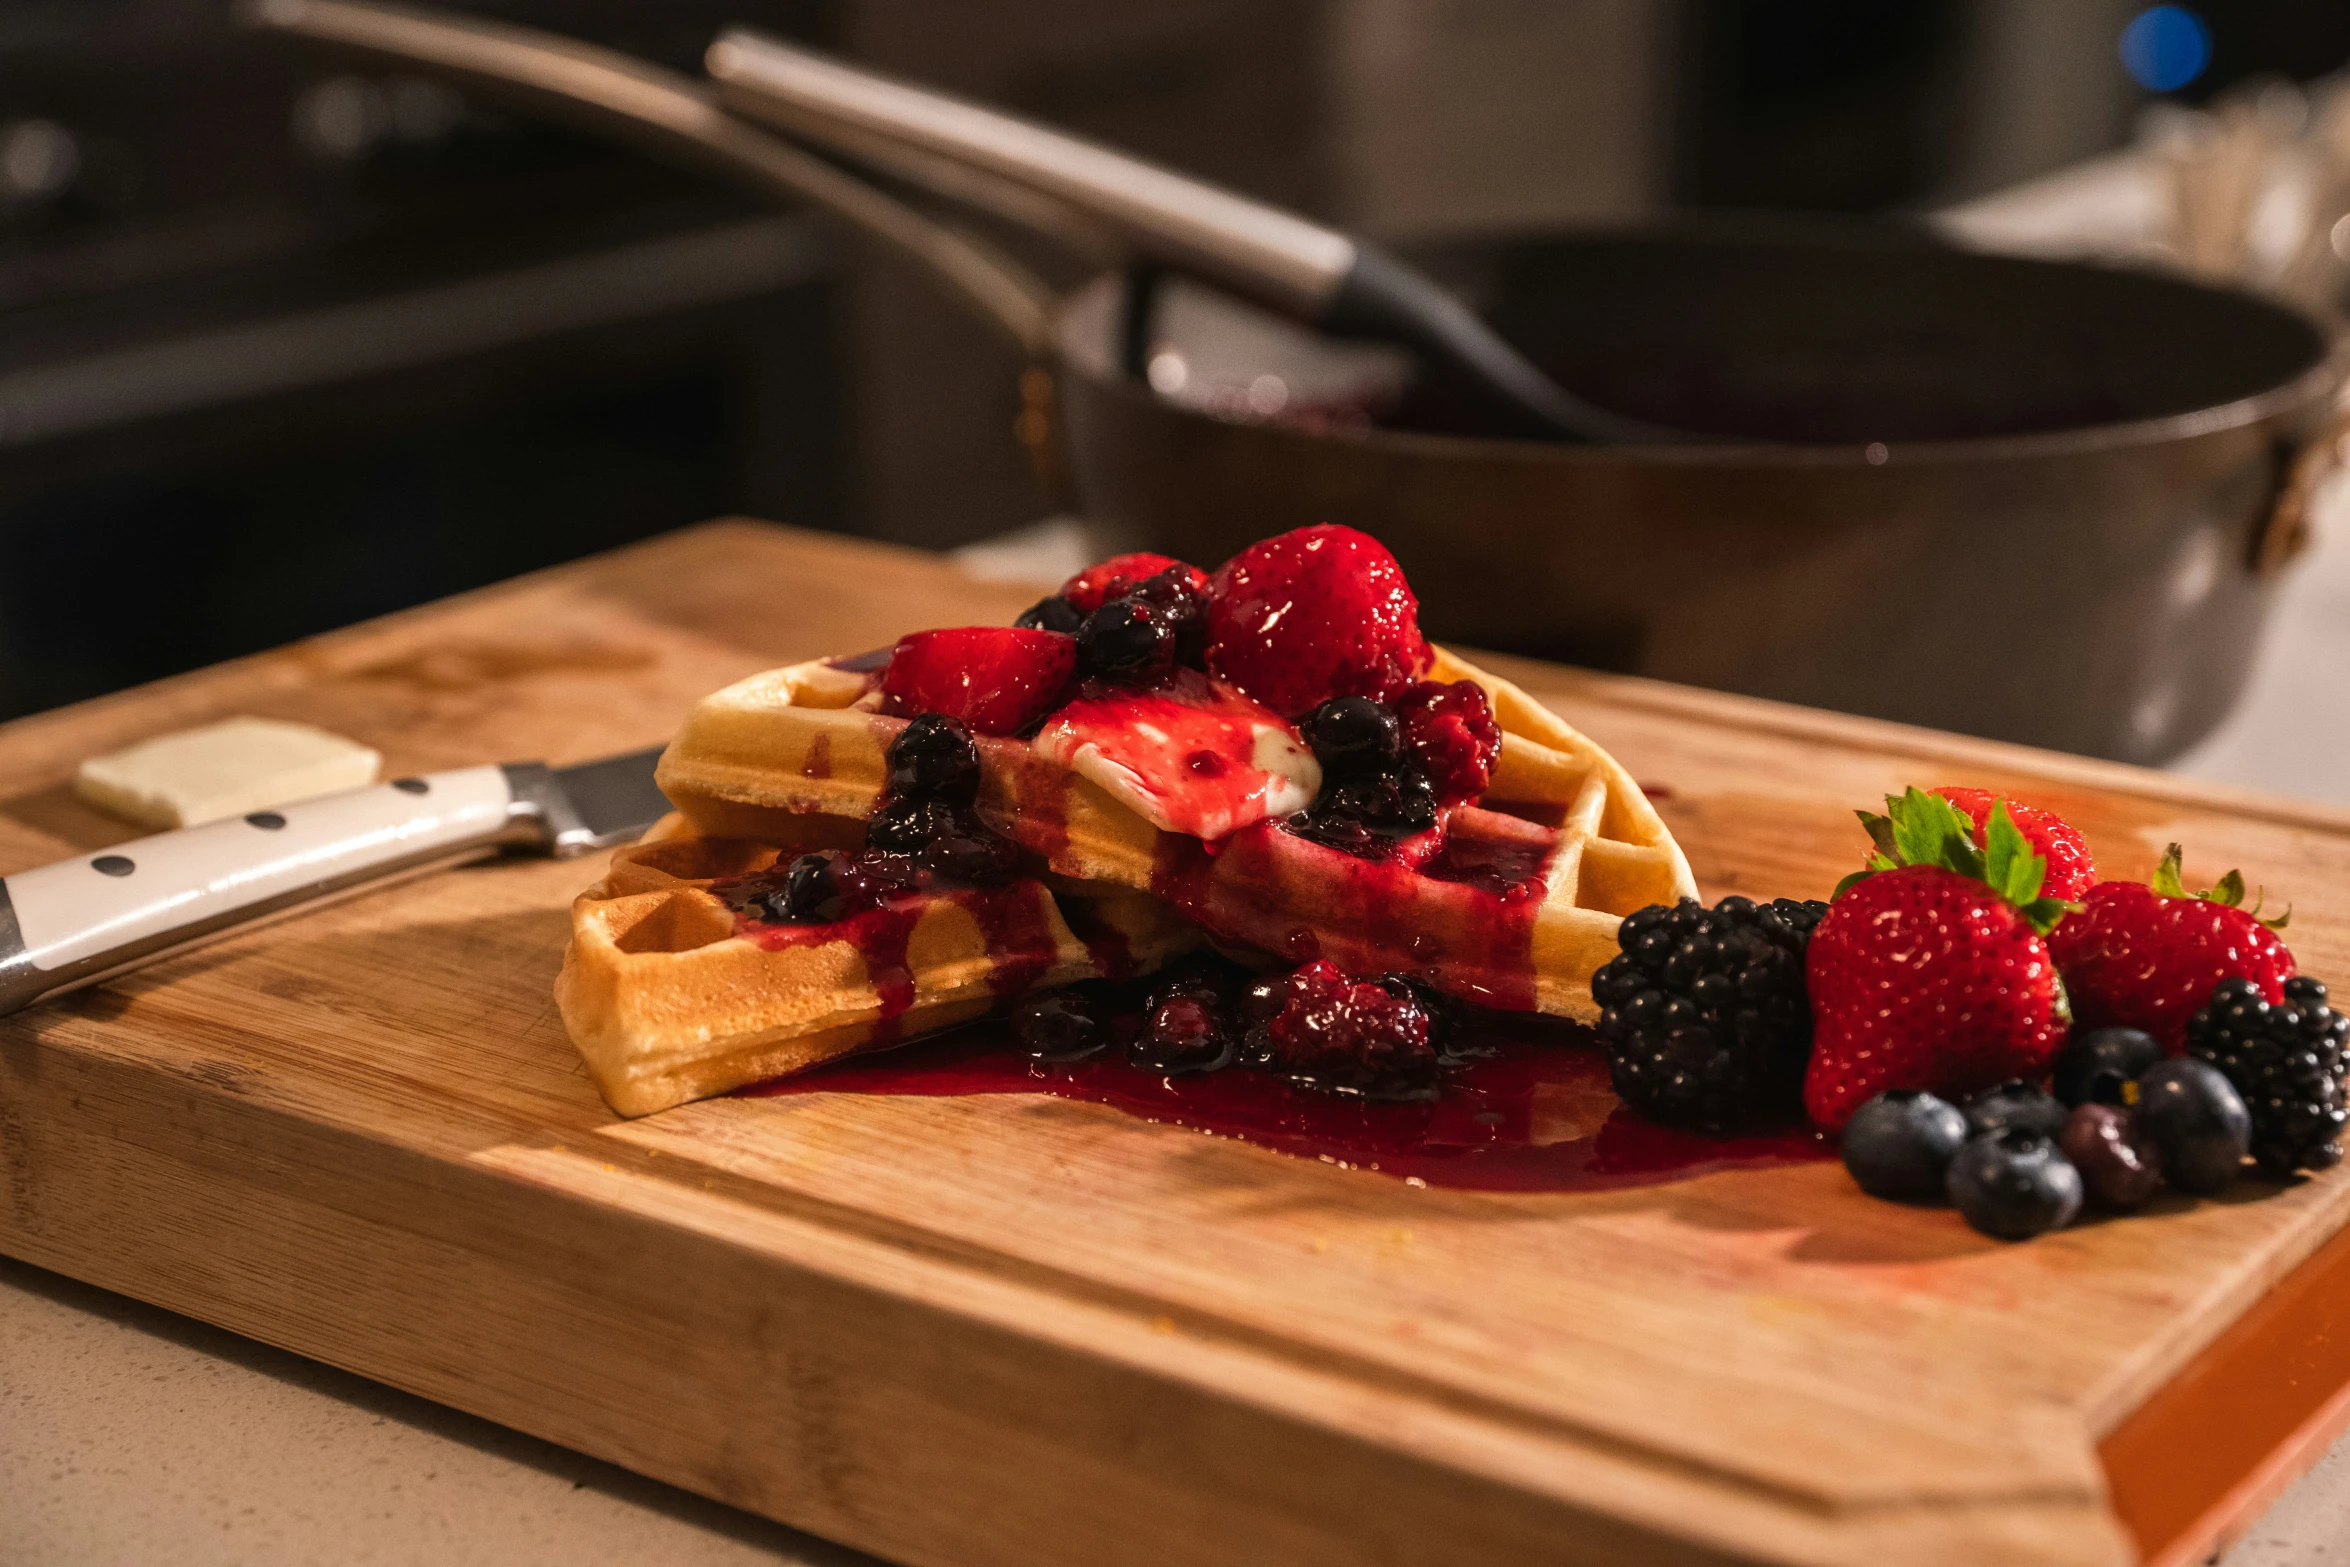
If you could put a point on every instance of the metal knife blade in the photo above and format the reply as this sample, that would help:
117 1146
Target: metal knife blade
593 805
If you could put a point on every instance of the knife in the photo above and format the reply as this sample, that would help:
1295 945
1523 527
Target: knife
89 918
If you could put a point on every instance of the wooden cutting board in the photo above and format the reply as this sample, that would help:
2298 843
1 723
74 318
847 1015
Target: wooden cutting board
1023 1330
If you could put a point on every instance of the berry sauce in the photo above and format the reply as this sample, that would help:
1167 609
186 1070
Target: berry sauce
1011 921
1189 755
1536 1115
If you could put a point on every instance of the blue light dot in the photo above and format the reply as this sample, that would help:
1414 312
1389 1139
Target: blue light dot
2165 47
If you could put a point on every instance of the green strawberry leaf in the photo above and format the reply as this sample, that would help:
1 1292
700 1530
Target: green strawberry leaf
2009 864
1925 829
2228 891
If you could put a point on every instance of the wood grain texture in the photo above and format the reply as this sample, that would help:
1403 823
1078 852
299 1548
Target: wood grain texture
999 1330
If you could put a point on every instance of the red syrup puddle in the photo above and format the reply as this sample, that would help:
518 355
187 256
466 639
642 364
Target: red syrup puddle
1535 1116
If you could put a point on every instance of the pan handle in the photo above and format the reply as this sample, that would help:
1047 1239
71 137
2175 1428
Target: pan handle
2290 528
673 117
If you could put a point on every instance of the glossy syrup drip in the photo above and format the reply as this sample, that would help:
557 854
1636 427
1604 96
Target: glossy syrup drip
1536 1115
1367 916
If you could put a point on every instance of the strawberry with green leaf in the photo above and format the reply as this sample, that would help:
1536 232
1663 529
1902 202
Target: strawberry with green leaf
1931 969
2146 956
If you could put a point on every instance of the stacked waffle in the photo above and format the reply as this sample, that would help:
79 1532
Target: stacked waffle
1147 815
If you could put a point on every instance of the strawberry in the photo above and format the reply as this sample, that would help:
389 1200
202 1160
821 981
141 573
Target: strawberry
998 680
1931 968
2147 956
1313 614
2071 872
1450 731
1120 575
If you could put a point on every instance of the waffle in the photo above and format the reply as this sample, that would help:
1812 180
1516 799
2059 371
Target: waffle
795 757
669 996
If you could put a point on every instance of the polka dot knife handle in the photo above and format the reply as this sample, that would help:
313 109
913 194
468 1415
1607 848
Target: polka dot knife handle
80 920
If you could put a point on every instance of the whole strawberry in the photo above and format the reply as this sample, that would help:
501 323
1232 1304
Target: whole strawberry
2071 872
1930 969
1317 613
2146 956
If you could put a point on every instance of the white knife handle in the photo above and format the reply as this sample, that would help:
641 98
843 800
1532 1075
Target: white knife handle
80 920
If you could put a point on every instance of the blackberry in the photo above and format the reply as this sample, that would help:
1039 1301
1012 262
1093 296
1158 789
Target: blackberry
1704 1016
2287 1061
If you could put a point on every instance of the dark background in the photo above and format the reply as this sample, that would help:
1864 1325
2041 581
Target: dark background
284 344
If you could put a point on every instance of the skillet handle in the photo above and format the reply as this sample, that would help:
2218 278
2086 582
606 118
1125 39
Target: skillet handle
2290 528
670 116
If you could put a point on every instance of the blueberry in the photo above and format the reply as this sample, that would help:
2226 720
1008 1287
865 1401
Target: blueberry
908 826
1125 640
1183 1035
933 757
2014 1184
810 895
1060 1025
972 856
1899 1145
1172 596
2094 1065
2196 1121
2119 1163
2013 1103
1053 614
1352 736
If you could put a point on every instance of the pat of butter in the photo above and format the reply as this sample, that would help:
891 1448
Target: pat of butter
224 769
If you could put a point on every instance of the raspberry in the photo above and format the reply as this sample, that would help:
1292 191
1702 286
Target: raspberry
1315 614
1120 575
997 680
1353 1036
1450 729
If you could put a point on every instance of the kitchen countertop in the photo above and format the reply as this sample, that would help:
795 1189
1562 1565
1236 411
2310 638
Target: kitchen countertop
129 1433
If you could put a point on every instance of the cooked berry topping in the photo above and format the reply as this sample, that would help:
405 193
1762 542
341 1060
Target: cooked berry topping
2013 1103
1348 1036
1120 575
1452 735
1313 614
970 854
1373 790
1052 614
995 680
2014 1185
2196 1121
1125 641
1061 1026
1182 1034
907 826
934 757
2096 1064
1179 597
1353 737
2118 1162
810 894
1703 1016
1899 1145
2287 1061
